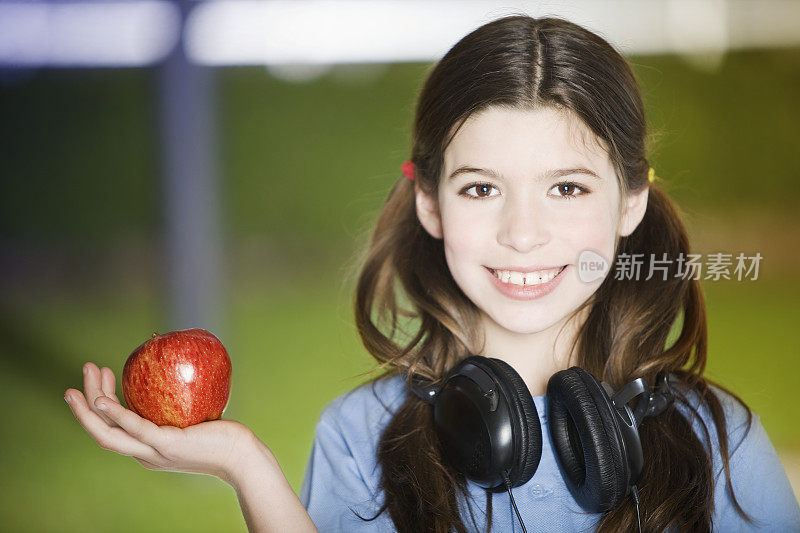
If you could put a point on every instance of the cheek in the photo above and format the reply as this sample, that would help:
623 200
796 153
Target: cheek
590 228
466 240
464 232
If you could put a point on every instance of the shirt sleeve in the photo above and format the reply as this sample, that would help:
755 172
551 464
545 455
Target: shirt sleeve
760 485
341 477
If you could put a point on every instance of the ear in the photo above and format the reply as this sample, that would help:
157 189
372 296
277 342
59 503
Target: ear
633 211
428 212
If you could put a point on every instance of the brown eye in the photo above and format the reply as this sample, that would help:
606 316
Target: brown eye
568 190
482 190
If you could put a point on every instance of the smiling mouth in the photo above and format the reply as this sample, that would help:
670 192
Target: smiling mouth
526 278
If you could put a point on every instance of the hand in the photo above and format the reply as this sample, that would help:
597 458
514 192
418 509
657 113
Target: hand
207 448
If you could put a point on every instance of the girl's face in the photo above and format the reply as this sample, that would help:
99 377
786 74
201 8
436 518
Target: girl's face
523 211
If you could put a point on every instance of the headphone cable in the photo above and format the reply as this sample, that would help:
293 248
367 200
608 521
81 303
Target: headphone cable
636 499
513 503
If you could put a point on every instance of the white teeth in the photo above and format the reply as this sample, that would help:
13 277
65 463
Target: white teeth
530 278
516 278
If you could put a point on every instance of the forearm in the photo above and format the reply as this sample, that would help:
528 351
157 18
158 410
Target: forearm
267 500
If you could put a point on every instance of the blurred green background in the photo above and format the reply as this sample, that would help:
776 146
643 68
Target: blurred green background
305 168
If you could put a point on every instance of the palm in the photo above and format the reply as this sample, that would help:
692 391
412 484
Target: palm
196 447
207 448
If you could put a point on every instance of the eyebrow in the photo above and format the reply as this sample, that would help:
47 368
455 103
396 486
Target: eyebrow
549 174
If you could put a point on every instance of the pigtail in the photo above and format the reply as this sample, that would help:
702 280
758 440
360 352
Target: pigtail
677 487
421 491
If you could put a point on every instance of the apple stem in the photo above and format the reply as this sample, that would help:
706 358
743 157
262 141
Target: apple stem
154 335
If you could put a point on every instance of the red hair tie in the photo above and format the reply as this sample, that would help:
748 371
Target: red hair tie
408 169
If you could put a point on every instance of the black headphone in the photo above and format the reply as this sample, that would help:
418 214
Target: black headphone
488 427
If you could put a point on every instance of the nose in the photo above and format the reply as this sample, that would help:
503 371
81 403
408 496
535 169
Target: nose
524 226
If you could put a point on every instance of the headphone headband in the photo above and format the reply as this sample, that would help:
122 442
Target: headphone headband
655 404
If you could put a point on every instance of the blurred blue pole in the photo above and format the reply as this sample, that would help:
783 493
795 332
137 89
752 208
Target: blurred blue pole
192 218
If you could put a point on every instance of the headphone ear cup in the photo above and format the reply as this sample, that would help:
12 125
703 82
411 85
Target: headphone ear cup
525 421
586 440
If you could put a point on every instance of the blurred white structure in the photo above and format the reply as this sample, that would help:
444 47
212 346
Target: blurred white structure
326 32
87 34
246 32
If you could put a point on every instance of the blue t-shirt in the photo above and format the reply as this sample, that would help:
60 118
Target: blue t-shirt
342 474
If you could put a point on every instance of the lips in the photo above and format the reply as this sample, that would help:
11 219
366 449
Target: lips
526 292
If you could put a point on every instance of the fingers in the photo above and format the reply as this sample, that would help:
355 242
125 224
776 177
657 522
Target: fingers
134 425
148 465
109 438
92 389
108 383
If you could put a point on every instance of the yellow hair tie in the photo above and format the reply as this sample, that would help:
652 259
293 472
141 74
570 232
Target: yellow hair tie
651 175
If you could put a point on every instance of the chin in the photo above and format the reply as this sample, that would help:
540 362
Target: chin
526 323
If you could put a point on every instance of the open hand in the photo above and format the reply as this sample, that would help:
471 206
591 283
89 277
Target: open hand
207 448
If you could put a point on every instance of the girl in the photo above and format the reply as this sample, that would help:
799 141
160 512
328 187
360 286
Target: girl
528 151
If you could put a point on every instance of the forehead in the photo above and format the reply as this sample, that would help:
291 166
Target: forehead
517 141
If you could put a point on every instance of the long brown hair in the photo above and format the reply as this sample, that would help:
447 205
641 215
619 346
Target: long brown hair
523 62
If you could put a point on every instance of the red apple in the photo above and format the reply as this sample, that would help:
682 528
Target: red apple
178 379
